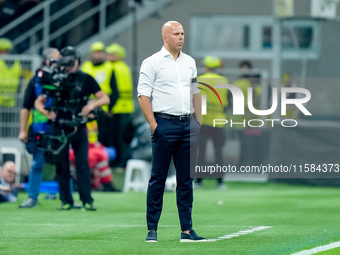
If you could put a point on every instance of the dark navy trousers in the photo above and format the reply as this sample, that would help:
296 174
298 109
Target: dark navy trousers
178 140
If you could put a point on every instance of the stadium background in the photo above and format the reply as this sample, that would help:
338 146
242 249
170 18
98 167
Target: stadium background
309 53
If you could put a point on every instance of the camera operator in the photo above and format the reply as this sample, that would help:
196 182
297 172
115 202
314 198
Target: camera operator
78 140
39 124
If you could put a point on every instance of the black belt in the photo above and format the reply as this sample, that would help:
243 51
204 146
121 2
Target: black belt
173 117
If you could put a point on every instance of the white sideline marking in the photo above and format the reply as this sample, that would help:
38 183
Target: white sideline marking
318 249
240 233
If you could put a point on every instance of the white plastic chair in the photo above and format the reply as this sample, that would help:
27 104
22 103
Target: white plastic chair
137 175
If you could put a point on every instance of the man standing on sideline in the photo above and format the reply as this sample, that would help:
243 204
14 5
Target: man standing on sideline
102 71
124 107
39 124
10 83
168 78
216 111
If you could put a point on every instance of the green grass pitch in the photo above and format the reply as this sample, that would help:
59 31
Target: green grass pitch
301 217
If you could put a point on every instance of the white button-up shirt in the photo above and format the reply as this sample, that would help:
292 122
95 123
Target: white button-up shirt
168 82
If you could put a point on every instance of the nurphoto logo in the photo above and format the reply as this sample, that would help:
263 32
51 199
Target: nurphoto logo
239 105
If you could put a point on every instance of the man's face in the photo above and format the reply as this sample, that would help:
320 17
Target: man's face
174 37
55 56
112 57
72 69
8 172
98 56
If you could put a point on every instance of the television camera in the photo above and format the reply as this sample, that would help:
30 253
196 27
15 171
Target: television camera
63 94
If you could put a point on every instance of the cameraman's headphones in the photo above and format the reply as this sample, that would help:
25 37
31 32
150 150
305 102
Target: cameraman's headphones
70 51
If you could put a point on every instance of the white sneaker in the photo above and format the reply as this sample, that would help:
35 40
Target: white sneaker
29 203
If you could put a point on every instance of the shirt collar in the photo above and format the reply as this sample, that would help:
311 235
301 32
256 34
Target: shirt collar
166 53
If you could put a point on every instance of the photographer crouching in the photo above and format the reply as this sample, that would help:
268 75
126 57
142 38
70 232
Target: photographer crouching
70 90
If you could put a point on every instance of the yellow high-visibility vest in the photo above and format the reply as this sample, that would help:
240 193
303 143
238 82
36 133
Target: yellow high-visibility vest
9 82
243 84
102 74
214 109
123 76
92 131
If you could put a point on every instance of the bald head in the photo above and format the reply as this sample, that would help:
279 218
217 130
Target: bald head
168 26
173 37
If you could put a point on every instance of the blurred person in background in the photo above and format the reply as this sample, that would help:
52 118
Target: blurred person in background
10 82
287 82
247 80
214 111
5 46
124 107
170 101
244 82
8 193
39 123
101 70
250 79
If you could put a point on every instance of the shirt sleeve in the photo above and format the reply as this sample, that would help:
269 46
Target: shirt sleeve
29 96
146 79
194 83
91 84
